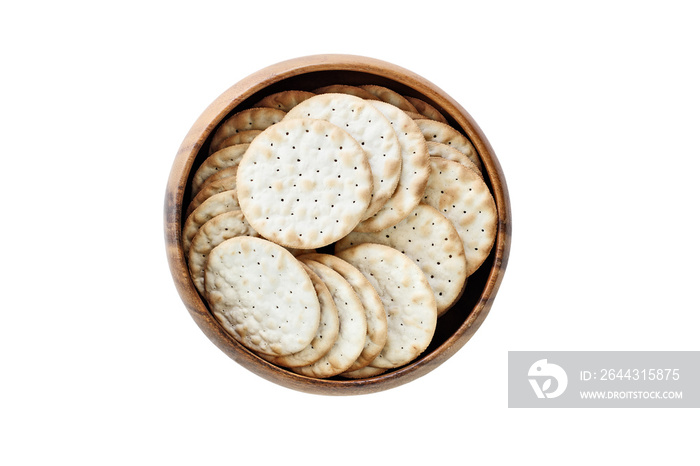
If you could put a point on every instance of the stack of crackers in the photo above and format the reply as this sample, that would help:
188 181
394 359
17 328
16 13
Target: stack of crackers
329 230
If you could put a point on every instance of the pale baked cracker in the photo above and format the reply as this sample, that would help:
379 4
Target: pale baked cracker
374 309
415 169
261 295
427 110
438 149
446 134
243 137
407 297
211 234
224 158
299 252
251 118
415 116
385 94
364 373
227 172
327 332
346 89
209 189
428 238
284 100
217 204
370 128
353 326
304 183
463 197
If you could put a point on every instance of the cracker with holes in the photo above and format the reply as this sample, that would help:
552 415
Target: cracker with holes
374 309
390 96
431 240
346 89
243 137
415 169
427 110
304 183
407 297
367 126
211 234
378 176
353 326
208 189
364 373
227 172
438 149
440 132
415 116
249 119
285 100
262 296
462 196
224 158
217 204
326 335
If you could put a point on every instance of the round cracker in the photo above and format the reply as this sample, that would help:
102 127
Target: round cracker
215 205
208 189
390 96
346 89
440 132
300 252
415 116
326 335
438 149
304 183
353 325
374 309
211 234
227 172
284 100
370 128
407 297
243 137
428 238
415 169
261 295
463 197
224 158
427 110
251 118
364 373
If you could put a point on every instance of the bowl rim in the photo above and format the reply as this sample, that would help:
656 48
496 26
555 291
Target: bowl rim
223 106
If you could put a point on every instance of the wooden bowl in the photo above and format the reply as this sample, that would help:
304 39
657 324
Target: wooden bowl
454 328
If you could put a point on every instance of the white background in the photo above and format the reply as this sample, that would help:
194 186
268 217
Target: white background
593 111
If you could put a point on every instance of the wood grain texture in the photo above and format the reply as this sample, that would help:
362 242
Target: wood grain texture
455 328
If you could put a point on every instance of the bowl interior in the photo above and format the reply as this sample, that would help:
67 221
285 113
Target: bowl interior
454 328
